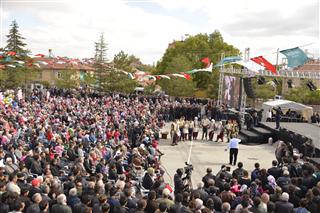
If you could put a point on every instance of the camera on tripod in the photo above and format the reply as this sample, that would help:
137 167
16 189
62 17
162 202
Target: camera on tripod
188 170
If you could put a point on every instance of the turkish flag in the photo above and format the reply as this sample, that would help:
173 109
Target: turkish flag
263 62
206 61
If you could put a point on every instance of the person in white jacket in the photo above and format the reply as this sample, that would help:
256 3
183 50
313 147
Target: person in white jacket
195 128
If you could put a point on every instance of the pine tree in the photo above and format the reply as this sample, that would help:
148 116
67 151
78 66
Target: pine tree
101 48
15 40
100 59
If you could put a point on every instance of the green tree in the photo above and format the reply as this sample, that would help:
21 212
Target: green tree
177 87
69 79
122 61
303 95
13 77
118 82
187 54
101 48
15 40
89 79
100 61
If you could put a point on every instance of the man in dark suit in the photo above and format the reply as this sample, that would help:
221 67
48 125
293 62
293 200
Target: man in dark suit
274 170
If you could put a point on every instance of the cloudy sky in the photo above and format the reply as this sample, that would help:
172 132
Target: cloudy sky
145 27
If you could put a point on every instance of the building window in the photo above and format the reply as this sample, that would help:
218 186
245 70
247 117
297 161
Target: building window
59 75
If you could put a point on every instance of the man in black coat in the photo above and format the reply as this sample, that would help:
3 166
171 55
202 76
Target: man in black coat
275 171
178 182
283 205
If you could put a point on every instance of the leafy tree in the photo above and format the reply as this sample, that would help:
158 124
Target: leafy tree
122 61
89 79
130 63
118 82
69 79
187 54
11 78
177 87
303 95
15 40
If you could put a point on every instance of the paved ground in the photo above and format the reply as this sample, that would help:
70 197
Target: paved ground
205 154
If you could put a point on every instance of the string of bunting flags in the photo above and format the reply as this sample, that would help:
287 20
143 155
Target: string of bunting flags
295 56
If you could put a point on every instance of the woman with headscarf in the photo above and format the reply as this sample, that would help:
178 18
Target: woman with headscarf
272 184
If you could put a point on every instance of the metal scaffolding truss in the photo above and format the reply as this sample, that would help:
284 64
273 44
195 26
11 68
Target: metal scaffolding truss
281 73
220 91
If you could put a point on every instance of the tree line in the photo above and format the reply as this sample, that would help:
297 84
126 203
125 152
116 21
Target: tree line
180 56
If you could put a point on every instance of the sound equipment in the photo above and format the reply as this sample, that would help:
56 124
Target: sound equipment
247 84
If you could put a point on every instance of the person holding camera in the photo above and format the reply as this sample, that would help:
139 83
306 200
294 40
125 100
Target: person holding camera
178 182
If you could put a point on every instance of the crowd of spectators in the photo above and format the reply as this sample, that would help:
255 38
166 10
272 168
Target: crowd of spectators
64 153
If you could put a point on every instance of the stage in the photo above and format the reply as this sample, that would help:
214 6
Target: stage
310 131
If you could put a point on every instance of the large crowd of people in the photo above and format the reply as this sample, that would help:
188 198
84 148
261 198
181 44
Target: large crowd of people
63 152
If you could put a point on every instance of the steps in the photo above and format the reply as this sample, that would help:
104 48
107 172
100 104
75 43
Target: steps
250 137
257 135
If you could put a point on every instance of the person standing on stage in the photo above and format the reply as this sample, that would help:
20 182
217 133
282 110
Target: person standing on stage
278 117
233 147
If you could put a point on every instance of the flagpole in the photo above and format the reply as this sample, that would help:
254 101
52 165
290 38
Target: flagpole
277 59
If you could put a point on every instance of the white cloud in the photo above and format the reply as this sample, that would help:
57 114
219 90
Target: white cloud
71 27
262 26
74 32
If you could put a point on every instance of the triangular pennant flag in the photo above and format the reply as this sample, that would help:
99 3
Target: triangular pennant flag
186 76
250 65
37 65
40 55
178 75
11 53
263 62
227 60
151 77
206 61
8 59
208 69
43 62
169 188
165 76
130 76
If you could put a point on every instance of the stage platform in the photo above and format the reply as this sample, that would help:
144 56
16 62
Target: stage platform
310 131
